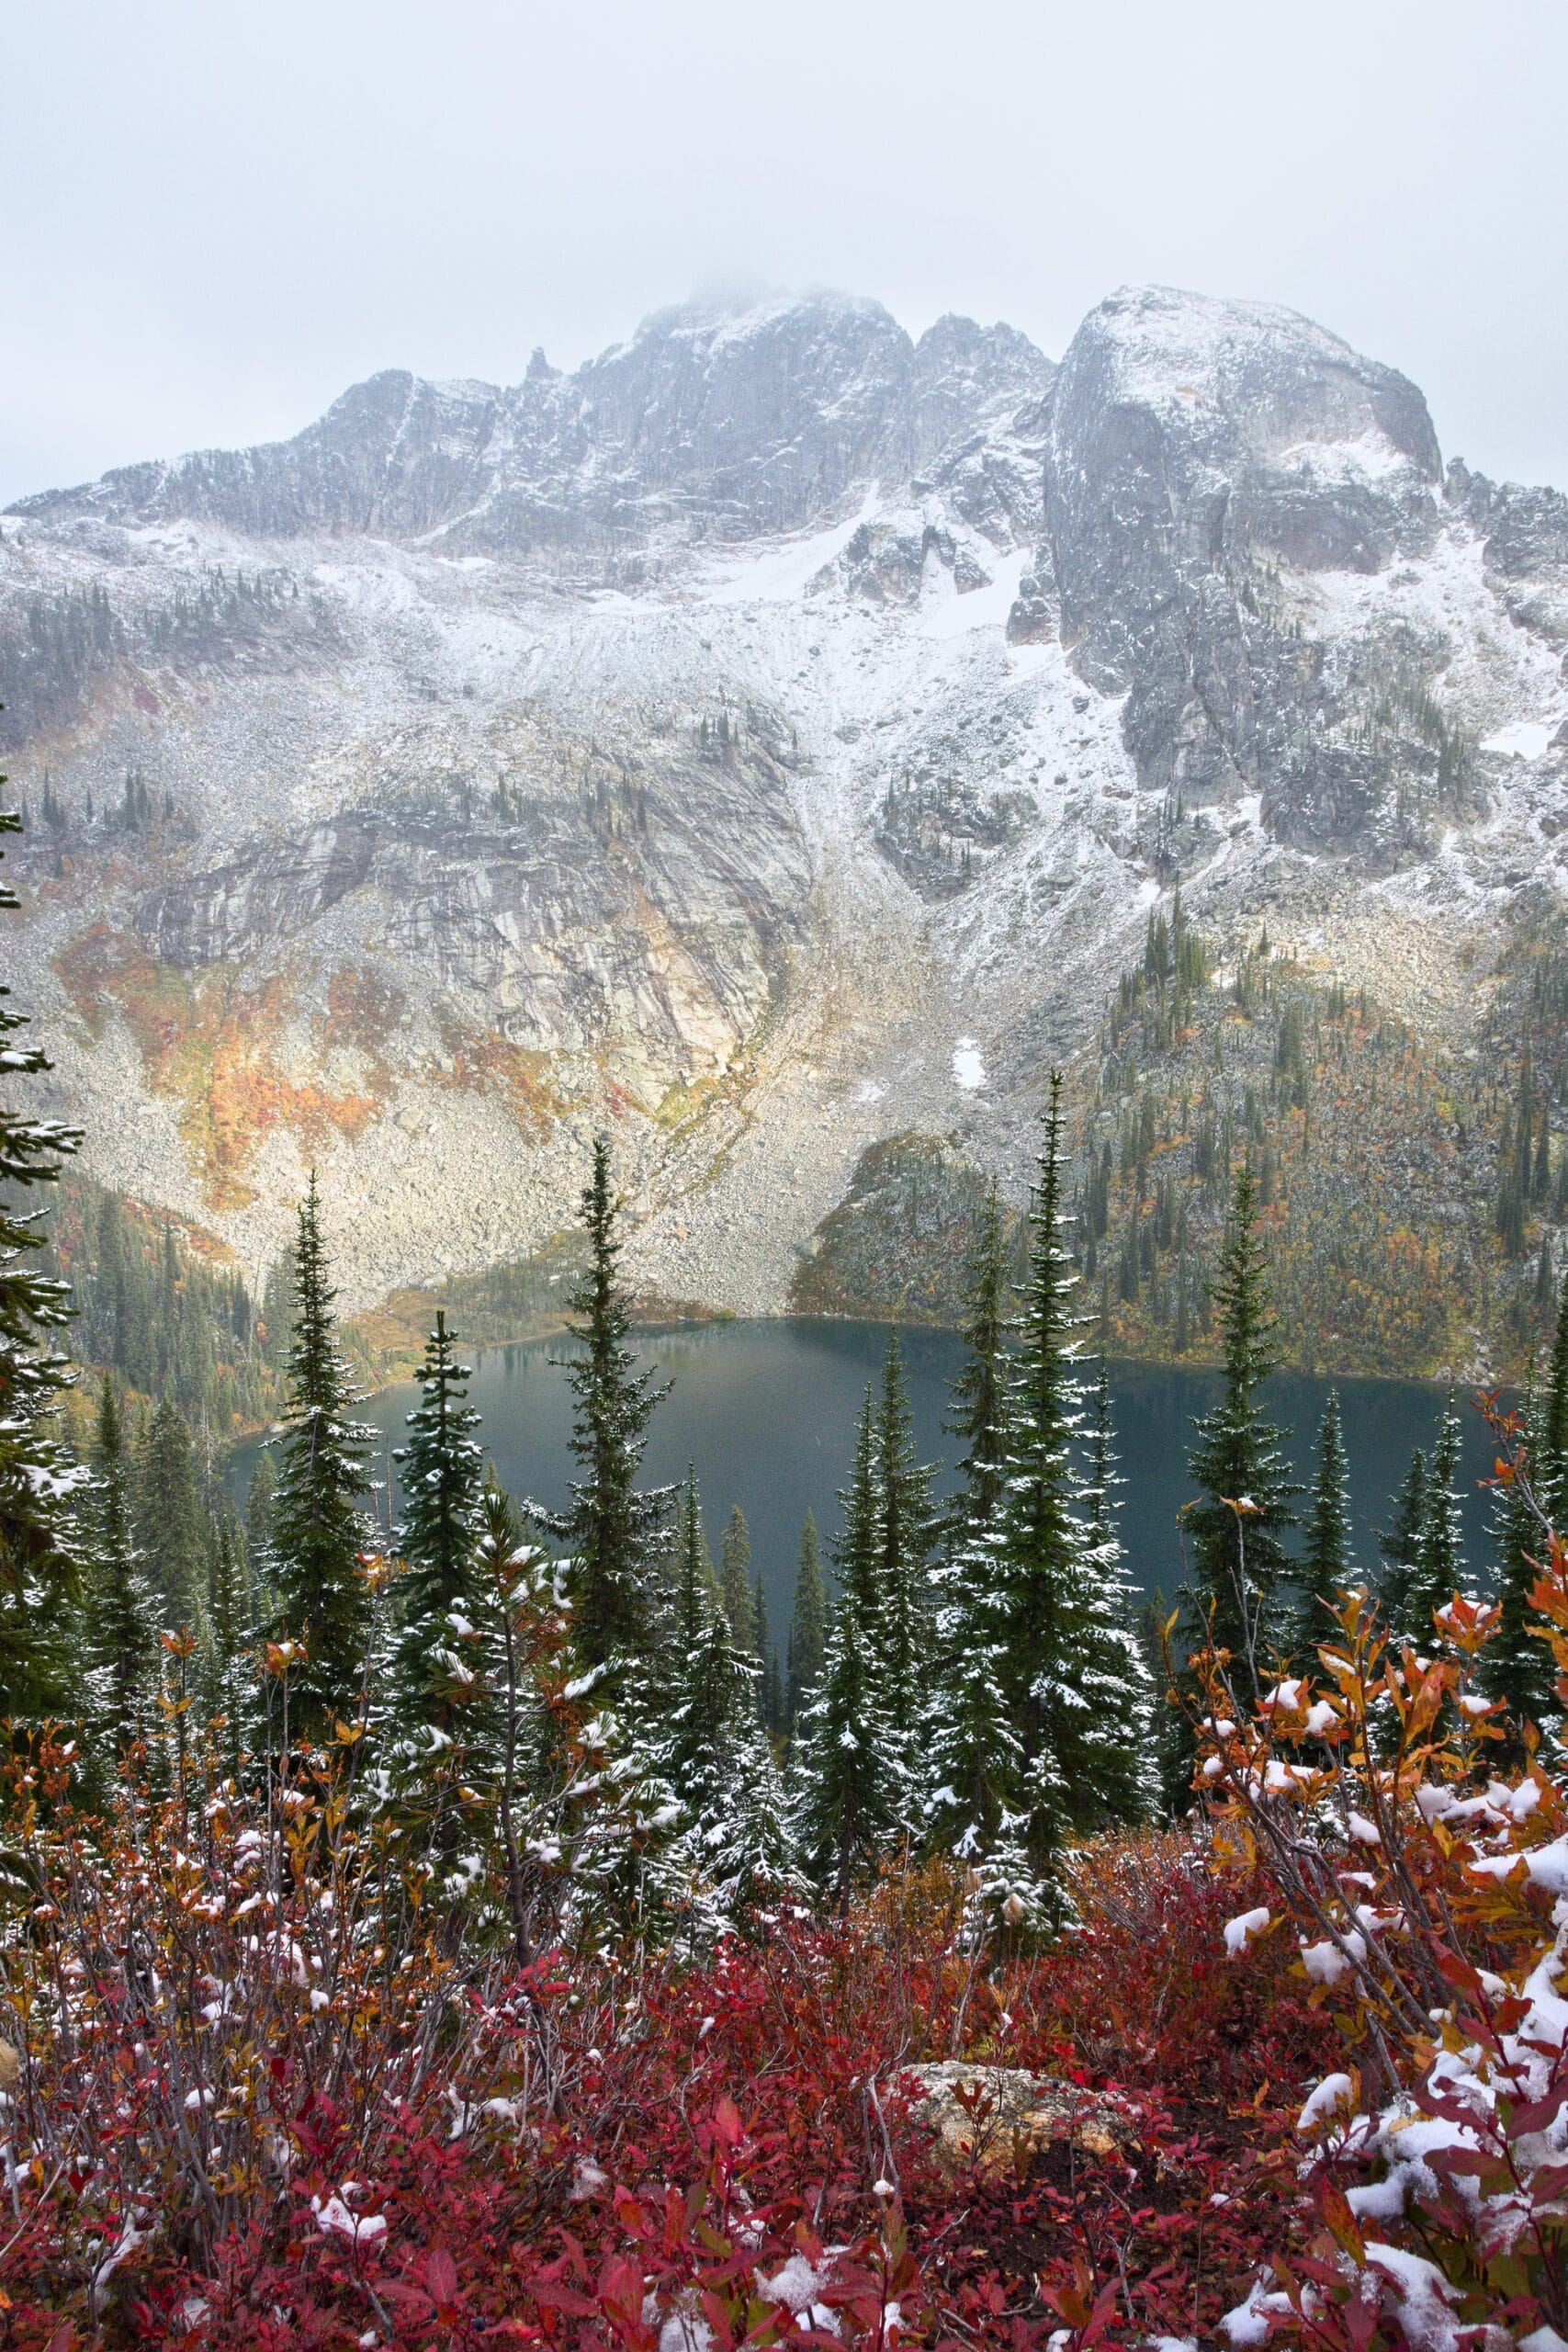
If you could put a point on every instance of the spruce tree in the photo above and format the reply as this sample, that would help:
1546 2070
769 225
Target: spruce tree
734 1582
260 1496
733 1844
1068 1667
851 1760
1324 1568
38 1485
1439 1570
228 1678
442 1473
122 1641
902 1511
320 1528
1549 1465
768 1698
615 1534
1239 1558
1399 1542
1115 1678
807 1624
979 1394
1516 1666
171 1526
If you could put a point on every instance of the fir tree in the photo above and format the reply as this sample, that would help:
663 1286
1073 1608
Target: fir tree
1549 1466
320 1529
1099 1490
1238 1554
615 1534
850 1759
733 1844
1439 1569
979 1394
767 1694
695 1594
1325 1569
122 1642
809 1624
1516 1666
442 1470
976 1755
1068 1662
1399 1542
227 1677
1115 1677
38 1485
902 1513
171 1527
260 1496
734 1582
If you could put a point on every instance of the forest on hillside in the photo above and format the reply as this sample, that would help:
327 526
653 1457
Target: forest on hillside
1412 1199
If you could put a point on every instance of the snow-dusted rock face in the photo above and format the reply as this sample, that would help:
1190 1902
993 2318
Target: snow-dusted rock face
769 738
707 425
1199 450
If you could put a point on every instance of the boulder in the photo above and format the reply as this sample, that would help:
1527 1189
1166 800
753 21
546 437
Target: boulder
992 2119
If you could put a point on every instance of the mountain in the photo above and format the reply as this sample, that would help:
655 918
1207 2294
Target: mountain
772 738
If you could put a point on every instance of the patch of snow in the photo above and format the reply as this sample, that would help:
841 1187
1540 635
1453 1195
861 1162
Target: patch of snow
969 1069
1526 739
782 572
954 616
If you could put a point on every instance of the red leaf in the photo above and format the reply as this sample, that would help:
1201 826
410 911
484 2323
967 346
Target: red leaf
441 2275
726 2127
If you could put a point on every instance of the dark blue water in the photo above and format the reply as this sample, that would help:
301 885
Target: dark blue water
767 1411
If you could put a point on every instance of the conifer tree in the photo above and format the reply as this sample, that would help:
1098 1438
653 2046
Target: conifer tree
976 1750
850 1759
171 1527
1399 1543
902 1513
1068 1663
228 1676
1550 1464
734 1582
809 1624
767 1694
442 1469
733 1844
979 1394
695 1595
320 1529
38 1483
1239 1558
1324 1568
260 1496
1115 1675
1099 1491
1515 1666
615 1534
122 1642
1439 1569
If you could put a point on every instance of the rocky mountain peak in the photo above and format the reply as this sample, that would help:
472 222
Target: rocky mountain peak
1247 373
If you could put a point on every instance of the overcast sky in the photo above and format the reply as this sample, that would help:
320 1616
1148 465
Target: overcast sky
216 217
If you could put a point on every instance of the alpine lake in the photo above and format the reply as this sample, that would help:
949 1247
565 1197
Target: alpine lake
766 1412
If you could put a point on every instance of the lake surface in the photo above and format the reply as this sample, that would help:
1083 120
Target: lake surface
767 1411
